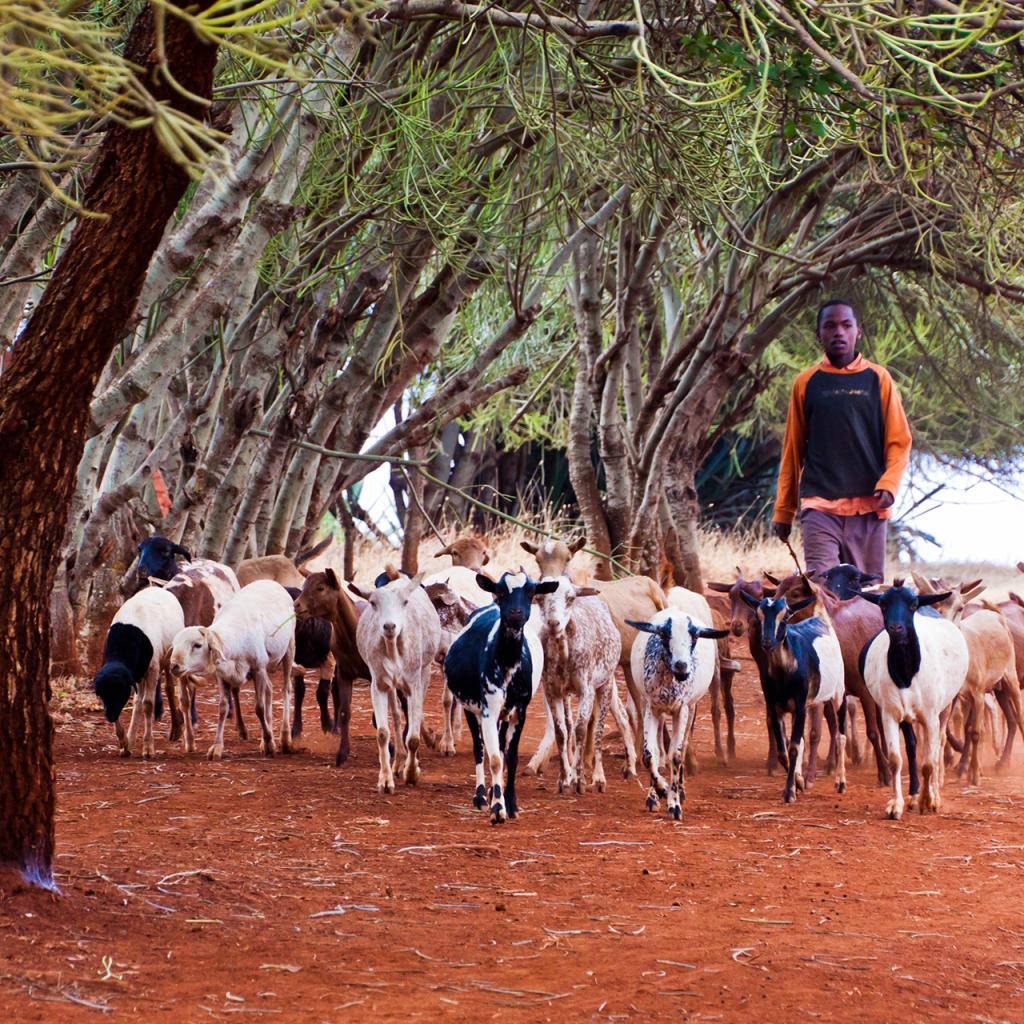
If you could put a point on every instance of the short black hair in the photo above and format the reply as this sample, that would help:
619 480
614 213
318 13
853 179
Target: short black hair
836 302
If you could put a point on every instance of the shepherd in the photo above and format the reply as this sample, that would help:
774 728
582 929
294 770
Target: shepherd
846 447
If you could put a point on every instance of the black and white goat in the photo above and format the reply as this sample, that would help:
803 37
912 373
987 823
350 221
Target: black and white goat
138 644
493 668
914 669
803 666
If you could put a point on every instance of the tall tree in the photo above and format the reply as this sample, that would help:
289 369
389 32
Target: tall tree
44 409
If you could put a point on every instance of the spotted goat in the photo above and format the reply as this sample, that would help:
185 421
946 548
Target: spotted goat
674 656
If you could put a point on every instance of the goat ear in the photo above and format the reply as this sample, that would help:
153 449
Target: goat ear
527 545
644 627
304 572
578 545
704 633
179 550
545 587
926 599
871 597
588 592
355 590
749 599
487 557
443 551
486 583
924 586
415 581
973 585
1017 599
770 578
214 644
971 594
720 588
332 580
869 577
802 603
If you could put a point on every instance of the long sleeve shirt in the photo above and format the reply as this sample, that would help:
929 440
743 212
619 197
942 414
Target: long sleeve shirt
847 436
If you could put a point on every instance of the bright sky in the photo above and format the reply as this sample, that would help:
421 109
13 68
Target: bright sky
973 518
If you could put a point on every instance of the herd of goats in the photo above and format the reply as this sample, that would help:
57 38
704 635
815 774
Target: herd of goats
928 662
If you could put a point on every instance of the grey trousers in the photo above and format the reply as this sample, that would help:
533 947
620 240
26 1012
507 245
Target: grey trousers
830 539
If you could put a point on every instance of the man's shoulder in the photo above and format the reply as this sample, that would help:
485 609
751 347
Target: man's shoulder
880 371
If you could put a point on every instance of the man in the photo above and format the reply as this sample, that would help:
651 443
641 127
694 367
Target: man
847 444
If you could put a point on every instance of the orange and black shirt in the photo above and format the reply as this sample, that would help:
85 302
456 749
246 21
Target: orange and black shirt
847 436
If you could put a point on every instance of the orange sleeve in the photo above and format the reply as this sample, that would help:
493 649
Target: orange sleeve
898 441
794 444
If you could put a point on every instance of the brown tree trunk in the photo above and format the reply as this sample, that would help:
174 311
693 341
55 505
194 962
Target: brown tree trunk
44 412
415 521
681 494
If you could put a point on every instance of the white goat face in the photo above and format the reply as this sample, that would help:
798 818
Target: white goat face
190 652
390 603
557 607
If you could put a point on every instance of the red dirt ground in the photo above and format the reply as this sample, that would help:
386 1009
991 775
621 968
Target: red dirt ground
288 890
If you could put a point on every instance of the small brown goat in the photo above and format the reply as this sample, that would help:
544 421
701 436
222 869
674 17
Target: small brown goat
469 551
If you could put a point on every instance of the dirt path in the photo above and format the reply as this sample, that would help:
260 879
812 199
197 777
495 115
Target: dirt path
287 890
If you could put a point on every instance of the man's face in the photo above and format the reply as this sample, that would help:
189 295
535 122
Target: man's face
838 334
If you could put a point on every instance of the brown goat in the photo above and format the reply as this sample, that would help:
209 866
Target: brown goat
469 551
322 596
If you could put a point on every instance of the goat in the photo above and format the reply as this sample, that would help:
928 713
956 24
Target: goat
632 597
322 596
802 665
157 559
914 669
284 570
856 623
581 651
398 636
991 668
468 552
493 667
676 662
313 651
453 611
134 656
696 606
252 633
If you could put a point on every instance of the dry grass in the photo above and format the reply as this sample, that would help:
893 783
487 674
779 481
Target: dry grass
721 553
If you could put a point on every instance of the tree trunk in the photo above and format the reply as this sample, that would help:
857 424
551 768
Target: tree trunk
135 187
681 494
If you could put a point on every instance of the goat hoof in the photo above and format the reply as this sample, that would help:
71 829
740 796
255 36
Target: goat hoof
676 813
893 811
599 785
386 788
498 814
479 798
789 797
840 787
652 804
581 786
215 753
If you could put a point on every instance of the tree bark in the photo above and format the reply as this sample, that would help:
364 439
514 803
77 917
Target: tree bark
135 187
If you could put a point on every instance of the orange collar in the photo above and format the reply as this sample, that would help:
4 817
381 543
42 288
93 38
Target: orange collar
857 364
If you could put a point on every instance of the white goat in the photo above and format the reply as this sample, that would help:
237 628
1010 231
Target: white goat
673 658
253 633
914 669
136 653
398 636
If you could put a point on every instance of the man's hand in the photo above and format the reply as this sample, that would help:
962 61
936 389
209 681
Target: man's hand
885 499
783 530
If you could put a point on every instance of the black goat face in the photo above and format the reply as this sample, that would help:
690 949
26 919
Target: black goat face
113 685
514 594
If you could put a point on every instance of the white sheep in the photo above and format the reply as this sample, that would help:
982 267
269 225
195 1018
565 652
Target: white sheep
253 633
137 648
398 636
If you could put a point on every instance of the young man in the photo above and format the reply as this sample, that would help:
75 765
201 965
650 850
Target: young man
847 444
